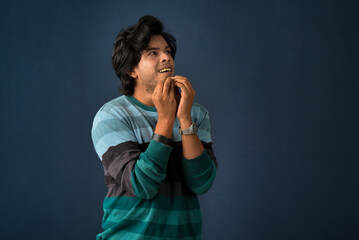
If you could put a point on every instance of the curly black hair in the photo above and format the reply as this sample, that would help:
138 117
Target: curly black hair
129 44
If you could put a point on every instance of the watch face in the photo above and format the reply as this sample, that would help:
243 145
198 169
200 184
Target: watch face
193 129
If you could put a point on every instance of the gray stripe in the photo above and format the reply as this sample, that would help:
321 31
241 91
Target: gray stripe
119 162
115 190
119 183
131 151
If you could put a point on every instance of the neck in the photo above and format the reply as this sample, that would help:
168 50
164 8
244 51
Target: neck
144 97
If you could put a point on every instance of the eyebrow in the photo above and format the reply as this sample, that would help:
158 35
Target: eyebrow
150 49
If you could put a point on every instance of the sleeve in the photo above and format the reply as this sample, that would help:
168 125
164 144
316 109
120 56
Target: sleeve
136 170
200 172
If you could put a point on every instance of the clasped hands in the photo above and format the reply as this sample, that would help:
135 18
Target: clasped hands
170 103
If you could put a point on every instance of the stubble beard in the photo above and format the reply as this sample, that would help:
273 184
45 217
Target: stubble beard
150 85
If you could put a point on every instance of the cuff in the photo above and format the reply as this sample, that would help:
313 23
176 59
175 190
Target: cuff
158 152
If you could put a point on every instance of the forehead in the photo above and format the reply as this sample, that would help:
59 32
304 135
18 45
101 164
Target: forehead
157 41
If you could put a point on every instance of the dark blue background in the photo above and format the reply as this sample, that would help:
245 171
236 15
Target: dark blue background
280 79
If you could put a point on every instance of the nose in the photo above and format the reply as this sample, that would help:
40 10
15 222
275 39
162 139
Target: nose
166 57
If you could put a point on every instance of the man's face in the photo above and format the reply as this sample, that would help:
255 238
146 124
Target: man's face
156 64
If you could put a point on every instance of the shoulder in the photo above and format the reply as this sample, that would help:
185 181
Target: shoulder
119 108
118 104
115 111
112 125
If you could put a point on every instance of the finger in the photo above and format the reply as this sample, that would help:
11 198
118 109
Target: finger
181 78
159 86
167 85
172 89
184 81
183 88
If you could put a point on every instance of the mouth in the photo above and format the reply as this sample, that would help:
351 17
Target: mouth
167 69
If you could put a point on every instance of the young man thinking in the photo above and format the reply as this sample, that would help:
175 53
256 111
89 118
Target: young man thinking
154 142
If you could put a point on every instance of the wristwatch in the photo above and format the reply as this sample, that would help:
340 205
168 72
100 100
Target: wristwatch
193 129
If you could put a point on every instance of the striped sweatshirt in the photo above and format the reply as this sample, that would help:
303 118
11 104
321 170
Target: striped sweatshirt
152 188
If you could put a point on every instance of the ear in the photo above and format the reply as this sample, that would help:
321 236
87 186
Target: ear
132 73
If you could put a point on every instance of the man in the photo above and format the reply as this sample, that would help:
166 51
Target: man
154 142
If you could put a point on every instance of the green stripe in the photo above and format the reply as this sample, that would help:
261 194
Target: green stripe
158 202
155 229
171 217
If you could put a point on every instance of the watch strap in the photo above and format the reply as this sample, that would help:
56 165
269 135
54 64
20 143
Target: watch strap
193 129
161 139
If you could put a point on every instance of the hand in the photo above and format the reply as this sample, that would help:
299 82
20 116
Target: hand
164 100
186 99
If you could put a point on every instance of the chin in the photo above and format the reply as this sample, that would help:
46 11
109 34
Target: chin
167 74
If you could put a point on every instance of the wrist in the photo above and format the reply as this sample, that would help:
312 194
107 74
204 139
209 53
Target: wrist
185 122
166 120
164 127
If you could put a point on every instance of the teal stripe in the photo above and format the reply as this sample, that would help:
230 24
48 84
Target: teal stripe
204 136
143 185
158 202
199 172
98 118
113 117
155 229
201 187
141 105
103 132
116 102
205 125
122 103
171 217
105 128
110 234
111 139
150 170
125 123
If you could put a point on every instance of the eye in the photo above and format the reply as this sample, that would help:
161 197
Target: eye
168 52
153 53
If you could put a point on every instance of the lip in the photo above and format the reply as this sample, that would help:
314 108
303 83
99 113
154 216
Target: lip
166 74
164 68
